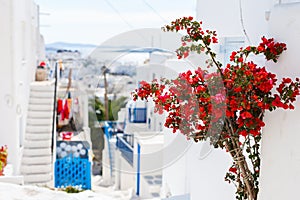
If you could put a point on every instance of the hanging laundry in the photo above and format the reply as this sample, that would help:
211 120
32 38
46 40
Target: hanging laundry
61 121
69 102
59 106
66 110
64 114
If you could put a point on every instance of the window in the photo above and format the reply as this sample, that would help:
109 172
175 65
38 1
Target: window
229 44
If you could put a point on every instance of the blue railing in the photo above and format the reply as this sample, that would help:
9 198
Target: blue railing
138 174
111 128
137 115
125 144
108 132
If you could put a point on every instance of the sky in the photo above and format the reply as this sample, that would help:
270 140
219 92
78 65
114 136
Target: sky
95 21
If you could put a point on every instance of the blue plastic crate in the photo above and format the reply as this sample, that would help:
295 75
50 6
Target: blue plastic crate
70 171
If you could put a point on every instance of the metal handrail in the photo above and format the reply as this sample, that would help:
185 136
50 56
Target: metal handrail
125 142
54 108
125 148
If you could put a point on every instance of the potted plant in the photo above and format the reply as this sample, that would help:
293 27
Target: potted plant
3 159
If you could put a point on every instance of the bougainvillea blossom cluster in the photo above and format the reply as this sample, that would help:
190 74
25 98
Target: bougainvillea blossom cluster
226 106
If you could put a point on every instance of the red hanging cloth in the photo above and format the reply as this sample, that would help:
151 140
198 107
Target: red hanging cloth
59 106
66 110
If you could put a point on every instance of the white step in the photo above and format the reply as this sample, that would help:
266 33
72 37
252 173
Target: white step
40 107
37 94
37 144
37 178
37 152
41 101
38 136
44 115
39 160
42 83
36 169
19 180
152 183
154 188
39 121
38 129
37 88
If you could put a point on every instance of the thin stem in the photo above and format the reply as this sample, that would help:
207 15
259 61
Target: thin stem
251 154
214 60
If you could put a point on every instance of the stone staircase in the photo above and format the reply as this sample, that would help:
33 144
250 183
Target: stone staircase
151 185
36 165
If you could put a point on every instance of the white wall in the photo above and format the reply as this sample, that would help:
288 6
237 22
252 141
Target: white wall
124 178
224 17
206 174
280 168
175 174
8 117
195 168
18 60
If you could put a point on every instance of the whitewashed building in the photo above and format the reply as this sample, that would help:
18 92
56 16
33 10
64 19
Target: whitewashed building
21 49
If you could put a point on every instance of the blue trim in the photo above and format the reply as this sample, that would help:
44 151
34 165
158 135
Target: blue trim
125 145
138 170
110 130
108 136
137 115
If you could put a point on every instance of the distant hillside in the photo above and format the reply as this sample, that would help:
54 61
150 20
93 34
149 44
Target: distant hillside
73 45
84 49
